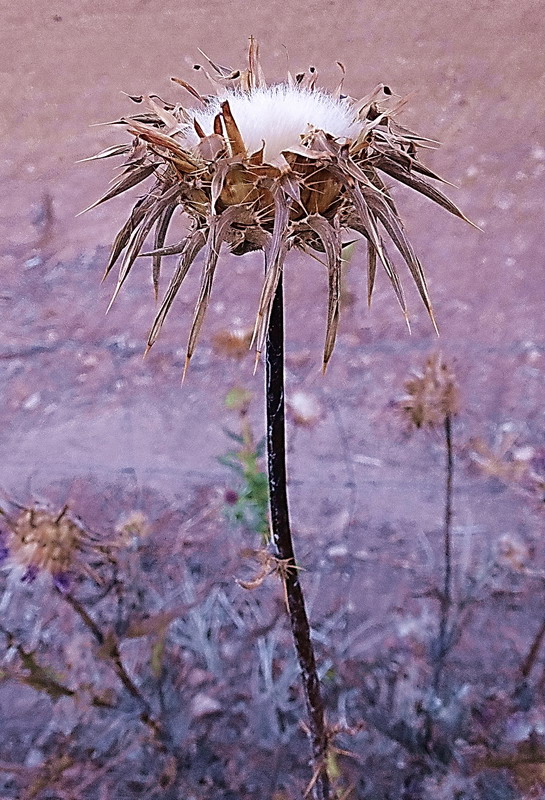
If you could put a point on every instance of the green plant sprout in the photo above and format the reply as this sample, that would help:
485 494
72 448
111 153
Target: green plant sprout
248 505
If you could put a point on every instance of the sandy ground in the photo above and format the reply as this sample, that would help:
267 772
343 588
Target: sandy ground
79 402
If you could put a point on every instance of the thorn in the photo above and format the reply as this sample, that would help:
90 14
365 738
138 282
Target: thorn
473 224
408 321
146 351
433 322
257 359
116 292
186 365
254 333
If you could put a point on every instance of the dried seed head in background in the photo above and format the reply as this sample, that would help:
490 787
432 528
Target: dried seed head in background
269 168
431 395
41 540
132 528
510 462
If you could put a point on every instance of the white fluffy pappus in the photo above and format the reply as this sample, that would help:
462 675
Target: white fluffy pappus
279 115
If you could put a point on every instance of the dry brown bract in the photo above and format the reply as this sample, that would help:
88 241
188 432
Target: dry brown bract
306 196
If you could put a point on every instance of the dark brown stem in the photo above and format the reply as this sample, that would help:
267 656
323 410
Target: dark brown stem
445 637
281 535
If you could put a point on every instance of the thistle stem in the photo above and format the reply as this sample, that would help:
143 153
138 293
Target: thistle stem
446 599
282 539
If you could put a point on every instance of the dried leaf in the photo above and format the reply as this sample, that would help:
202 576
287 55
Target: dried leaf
371 270
218 228
137 214
332 245
183 160
155 623
274 260
139 235
116 150
234 138
189 88
131 178
223 72
160 235
397 234
418 184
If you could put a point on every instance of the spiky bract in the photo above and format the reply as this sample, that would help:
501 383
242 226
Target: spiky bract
306 196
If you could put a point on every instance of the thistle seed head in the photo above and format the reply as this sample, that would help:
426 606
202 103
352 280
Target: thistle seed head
269 168
39 540
431 394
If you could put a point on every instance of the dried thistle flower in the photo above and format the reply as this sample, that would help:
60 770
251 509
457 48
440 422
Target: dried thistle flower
431 395
41 540
269 168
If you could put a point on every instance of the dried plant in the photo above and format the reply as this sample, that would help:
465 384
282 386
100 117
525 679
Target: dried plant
431 394
268 168
40 540
271 168
520 467
432 401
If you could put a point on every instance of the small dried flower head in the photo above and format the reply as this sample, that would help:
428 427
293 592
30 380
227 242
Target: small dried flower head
41 540
431 395
132 528
269 168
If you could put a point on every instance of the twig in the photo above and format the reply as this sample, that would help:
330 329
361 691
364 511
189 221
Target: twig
282 539
114 658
